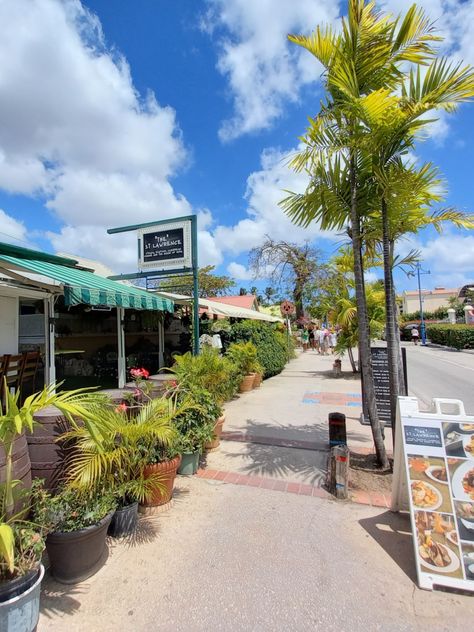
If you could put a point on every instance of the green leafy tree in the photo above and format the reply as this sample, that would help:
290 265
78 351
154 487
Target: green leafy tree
210 284
375 100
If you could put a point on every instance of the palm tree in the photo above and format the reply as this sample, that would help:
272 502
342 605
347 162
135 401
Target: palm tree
371 118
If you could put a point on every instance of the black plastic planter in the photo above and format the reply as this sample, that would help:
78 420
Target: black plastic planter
124 521
76 555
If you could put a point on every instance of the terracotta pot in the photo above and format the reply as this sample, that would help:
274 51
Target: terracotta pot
257 380
167 471
246 384
217 434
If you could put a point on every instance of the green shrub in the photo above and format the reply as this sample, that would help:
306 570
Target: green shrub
244 356
457 336
208 370
270 341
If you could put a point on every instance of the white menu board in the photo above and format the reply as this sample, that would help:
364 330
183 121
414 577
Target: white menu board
434 470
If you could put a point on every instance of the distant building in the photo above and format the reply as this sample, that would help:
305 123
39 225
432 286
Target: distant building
247 301
432 299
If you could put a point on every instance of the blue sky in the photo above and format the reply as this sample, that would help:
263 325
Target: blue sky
119 112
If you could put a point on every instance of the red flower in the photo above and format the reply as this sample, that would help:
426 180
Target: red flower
121 408
139 373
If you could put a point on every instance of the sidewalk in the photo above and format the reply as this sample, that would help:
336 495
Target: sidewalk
255 543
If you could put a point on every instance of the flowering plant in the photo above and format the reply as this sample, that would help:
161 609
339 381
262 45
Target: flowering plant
142 386
139 374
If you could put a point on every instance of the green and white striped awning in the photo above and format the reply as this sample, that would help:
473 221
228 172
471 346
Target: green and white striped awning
82 286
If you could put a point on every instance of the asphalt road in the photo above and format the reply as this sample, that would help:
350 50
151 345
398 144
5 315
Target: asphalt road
435 372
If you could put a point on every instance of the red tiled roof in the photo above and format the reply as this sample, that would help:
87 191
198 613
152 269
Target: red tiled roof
249 301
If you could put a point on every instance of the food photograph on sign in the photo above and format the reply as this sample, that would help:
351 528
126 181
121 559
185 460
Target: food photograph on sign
429 483
461 474
459 439
468 560
438 547
465 520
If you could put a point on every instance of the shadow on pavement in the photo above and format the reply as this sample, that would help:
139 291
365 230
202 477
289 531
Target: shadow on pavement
58 599
392 531
267 459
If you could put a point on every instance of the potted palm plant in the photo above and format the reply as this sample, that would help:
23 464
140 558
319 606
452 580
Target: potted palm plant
22 541
113 451
209 370
244 357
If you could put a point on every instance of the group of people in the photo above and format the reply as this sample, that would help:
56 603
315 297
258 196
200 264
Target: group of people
321 339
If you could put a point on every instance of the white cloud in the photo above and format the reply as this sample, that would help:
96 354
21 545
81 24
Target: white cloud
12 230
263 69
74 129
239 272
448 258
265 189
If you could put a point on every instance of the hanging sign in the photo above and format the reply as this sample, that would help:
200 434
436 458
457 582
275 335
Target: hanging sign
165 246
434 473
287 308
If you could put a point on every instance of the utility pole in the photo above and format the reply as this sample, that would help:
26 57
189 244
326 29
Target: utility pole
419 272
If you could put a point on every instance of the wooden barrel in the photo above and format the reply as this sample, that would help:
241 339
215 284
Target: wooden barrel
21 465
46 455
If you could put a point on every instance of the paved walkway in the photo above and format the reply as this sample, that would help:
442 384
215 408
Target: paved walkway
280 431
255 544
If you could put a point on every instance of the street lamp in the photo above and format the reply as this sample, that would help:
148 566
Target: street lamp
419 272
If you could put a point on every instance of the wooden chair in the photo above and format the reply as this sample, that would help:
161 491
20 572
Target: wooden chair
29 369
13 369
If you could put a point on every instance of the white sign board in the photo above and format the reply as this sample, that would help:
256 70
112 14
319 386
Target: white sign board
165 246
434 476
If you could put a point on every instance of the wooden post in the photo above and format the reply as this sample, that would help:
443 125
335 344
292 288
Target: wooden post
338 471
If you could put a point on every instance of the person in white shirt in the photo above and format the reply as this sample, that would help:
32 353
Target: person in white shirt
332 340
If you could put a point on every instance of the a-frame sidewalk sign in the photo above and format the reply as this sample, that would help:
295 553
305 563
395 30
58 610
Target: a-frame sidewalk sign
167 248
433 479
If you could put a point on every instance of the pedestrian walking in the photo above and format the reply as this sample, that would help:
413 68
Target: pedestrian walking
305 339
324 341
332 340
415 335
317 339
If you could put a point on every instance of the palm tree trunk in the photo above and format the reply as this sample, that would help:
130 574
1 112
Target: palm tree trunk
351 360
393 346
363 324
396 329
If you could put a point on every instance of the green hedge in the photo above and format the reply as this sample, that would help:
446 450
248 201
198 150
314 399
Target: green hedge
457 336
270 342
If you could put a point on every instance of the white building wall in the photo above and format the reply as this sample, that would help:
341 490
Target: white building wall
9 318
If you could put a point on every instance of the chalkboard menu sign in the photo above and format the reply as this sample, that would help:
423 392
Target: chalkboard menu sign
163 245
434 463
382 381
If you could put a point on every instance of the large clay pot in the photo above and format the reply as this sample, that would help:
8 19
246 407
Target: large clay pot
20 464
257 380
76 555
46 454
211 445
167 471
246 384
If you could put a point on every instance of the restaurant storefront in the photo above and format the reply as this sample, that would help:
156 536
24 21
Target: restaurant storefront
84 325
